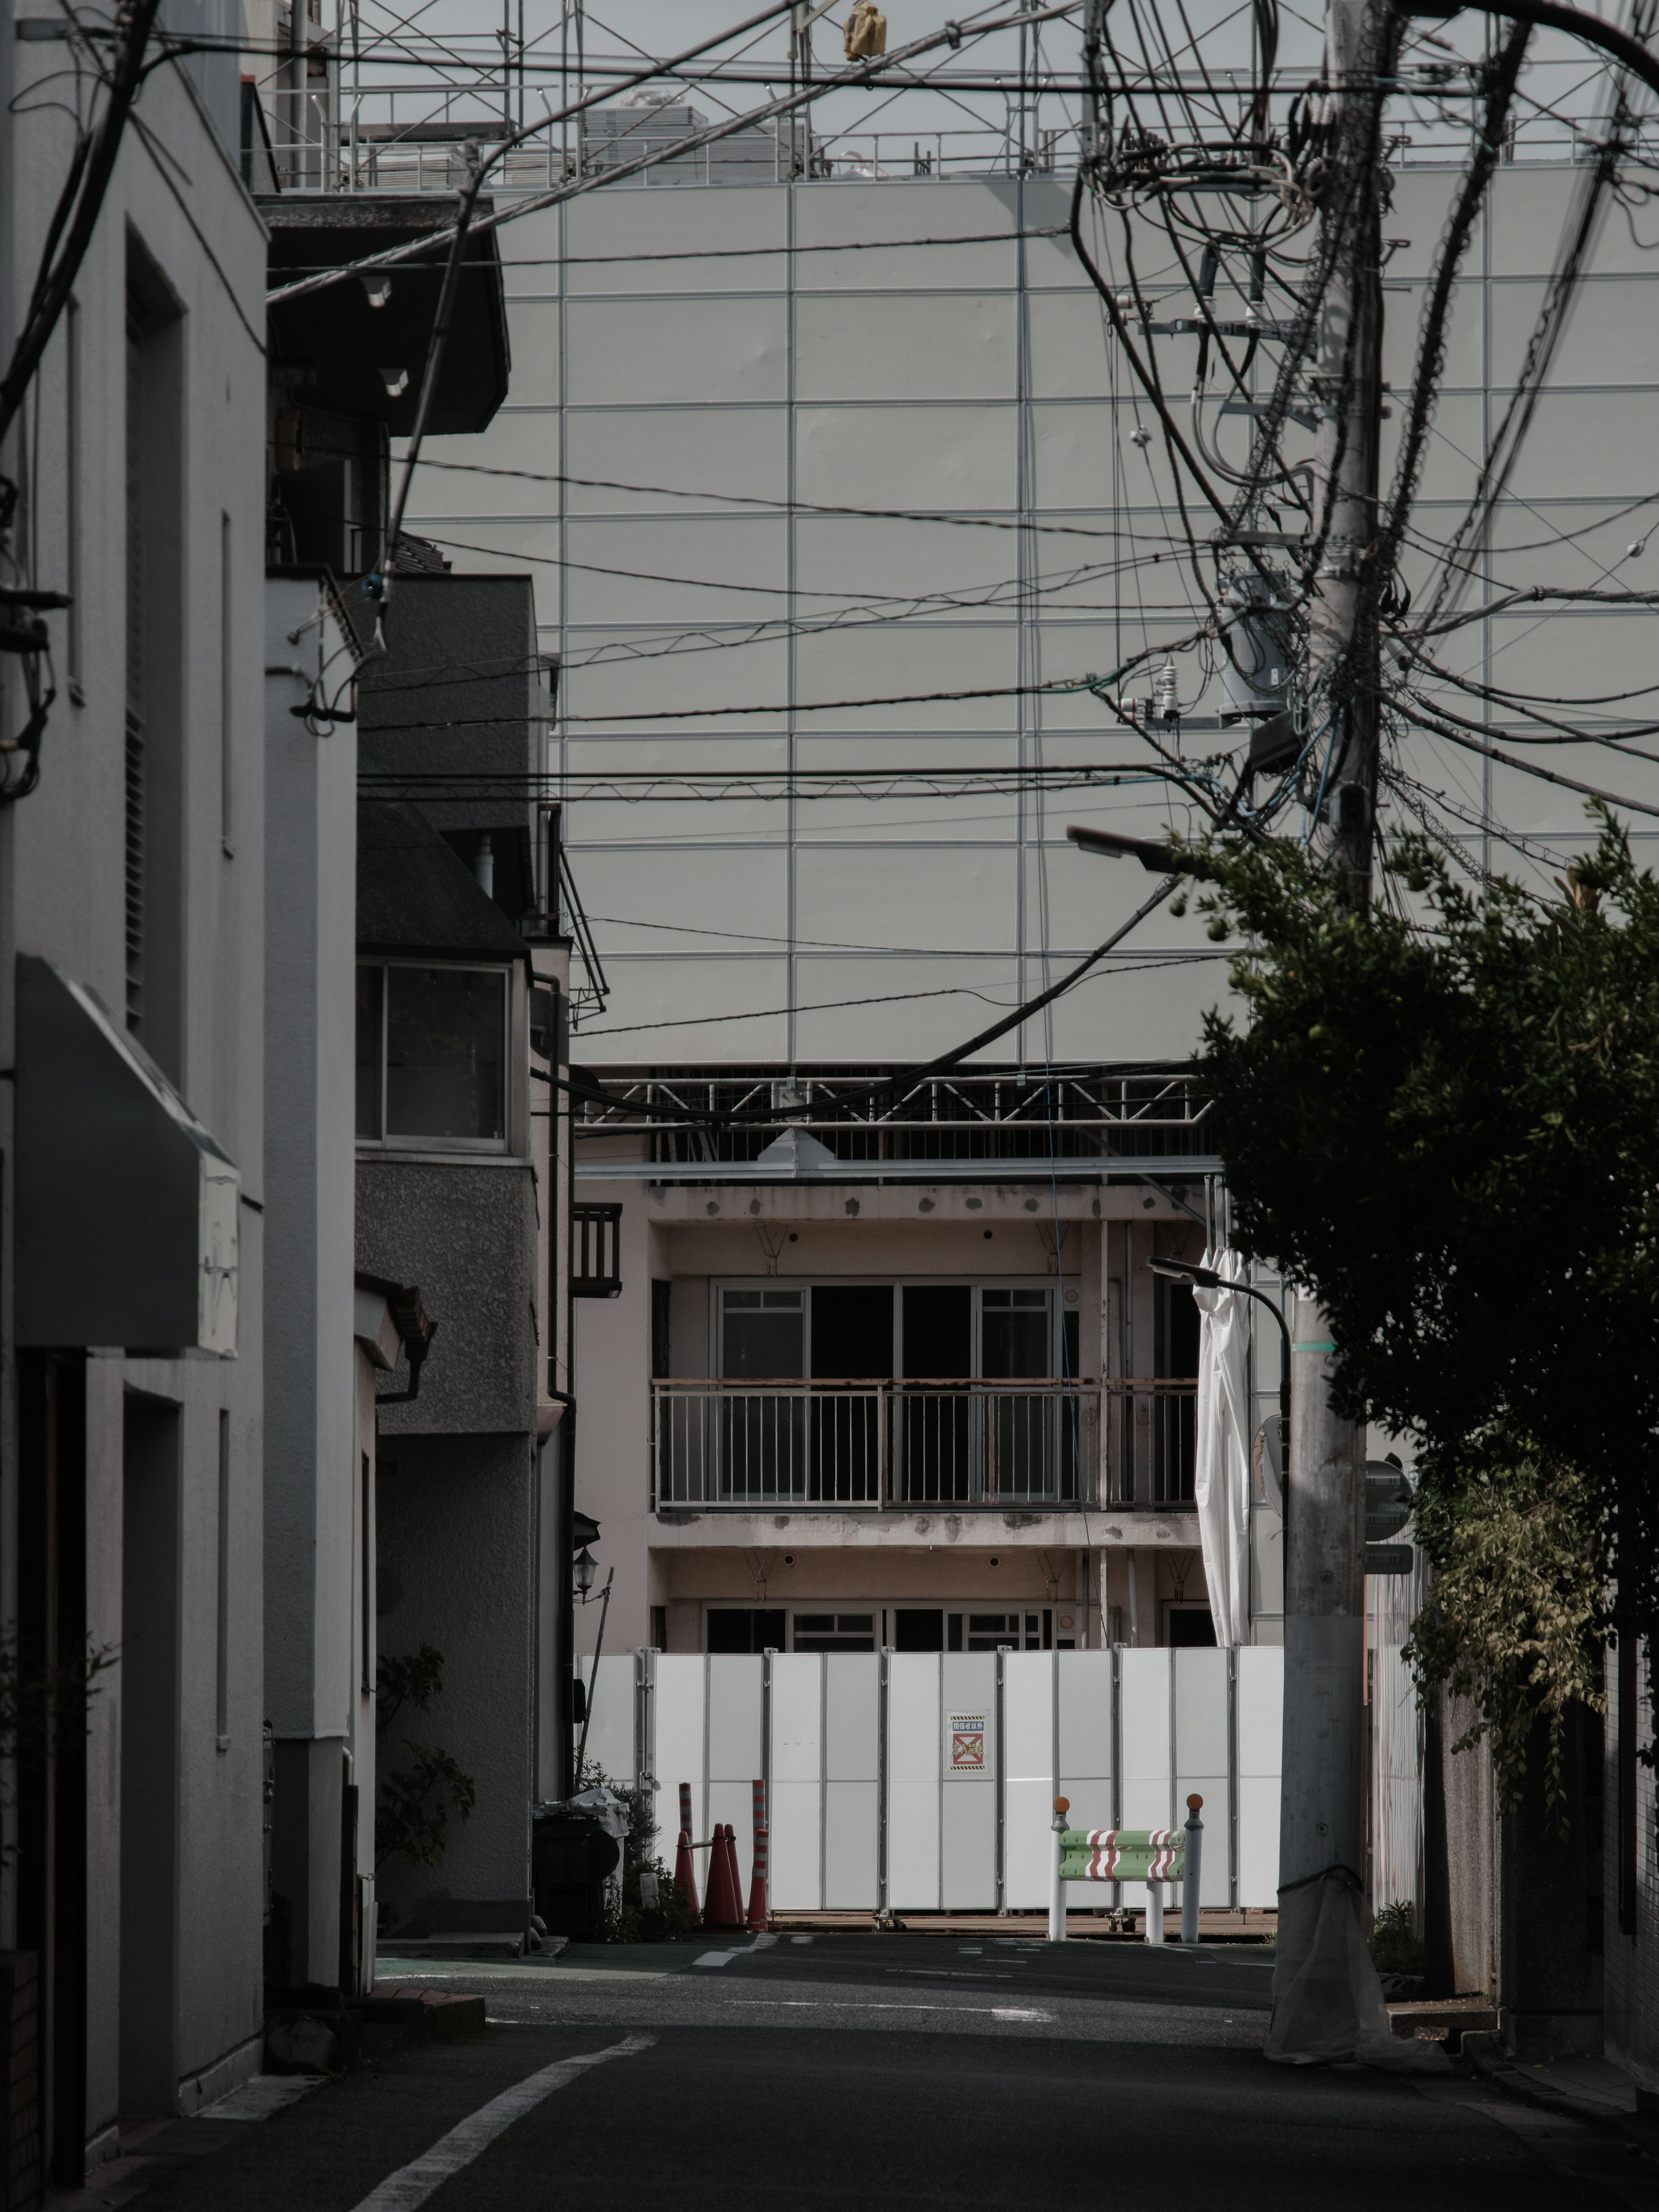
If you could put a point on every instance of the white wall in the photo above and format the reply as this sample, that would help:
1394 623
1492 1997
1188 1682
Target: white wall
969 383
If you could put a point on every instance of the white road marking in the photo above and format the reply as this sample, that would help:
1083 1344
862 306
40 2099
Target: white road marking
800 1939
412 2185
763 1943
714 1958
951 1974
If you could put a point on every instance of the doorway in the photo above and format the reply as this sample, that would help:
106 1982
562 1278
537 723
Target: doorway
150 1546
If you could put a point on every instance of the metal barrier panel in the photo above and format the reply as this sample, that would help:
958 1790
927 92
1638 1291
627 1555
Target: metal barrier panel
1203 1759
681 1695
968 1782
1030 1683
736 1752
610 1727
1147 1687
913 1704
796 1880
1085 1737
851 1813
1261 1706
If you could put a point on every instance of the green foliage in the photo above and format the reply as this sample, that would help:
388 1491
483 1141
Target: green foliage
1443 1121
399 1682
414 1801
1517 1612
1396 1947
45 1711
625 1921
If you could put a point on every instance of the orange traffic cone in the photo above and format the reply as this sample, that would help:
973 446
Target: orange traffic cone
723 1906
685 1872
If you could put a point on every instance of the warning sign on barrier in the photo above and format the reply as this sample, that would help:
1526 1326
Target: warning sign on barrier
965 1744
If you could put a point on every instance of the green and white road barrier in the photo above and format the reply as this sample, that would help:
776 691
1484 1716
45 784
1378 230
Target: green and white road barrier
1154 1855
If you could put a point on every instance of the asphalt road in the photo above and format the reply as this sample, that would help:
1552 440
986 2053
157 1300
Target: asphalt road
873 2071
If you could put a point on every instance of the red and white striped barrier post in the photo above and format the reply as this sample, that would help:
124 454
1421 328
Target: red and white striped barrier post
685 1870
1056 1887
757 1877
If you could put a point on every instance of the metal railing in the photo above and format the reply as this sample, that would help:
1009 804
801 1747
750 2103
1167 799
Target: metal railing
1044 1444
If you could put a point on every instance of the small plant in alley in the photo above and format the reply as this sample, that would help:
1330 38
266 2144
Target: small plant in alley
631 1916
1396 1947
415 1800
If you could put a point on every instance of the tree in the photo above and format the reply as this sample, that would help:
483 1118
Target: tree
1442 1121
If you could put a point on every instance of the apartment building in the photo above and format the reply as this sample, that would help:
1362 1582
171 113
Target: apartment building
132 1003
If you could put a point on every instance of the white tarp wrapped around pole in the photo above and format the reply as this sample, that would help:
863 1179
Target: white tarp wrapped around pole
1221 1484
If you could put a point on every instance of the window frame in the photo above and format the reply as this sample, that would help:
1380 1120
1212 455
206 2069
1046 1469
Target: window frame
507 1143
719 1285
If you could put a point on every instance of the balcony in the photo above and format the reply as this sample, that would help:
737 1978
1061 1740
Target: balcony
1048 1445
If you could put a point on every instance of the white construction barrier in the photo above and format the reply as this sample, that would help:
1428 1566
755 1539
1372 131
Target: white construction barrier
925 1781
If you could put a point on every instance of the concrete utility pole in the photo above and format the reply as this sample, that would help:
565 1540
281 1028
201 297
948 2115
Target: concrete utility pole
1322 1802
1342 646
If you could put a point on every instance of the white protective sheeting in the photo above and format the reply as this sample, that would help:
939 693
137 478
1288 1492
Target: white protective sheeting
1221 1484
977 1746
1327 2000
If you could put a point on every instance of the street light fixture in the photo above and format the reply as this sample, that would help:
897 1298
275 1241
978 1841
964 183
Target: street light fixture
1206 1278
1106 844
586 1567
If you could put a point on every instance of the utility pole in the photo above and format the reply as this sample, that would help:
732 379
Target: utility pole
1342 640
1322 1841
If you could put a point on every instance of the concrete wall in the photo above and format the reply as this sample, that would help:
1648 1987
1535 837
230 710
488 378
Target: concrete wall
61 894
466 1231
457 1569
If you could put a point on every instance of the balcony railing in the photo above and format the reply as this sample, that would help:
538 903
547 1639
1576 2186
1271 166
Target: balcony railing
1046 1444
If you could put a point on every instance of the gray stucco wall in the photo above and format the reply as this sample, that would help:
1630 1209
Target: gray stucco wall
466 1235
456 1570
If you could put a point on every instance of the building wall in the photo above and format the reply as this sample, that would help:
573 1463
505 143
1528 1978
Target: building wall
61 870
687 402
466 1232
457 1569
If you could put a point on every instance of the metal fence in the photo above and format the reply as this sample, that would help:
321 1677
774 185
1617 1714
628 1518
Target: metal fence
872 1802
1047 1443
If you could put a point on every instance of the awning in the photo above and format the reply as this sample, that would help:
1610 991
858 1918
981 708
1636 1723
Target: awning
127 1222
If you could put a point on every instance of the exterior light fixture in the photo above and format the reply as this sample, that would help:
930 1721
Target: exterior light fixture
1158 859
587 1568
396 381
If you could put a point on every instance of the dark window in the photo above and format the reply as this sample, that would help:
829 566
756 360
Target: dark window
370 986
852 1331
938 1331
659 1628
662 1299
835 1632
745 1628
764 1335
914 1631
953 1633
443 1076
1191 1625
1014 1334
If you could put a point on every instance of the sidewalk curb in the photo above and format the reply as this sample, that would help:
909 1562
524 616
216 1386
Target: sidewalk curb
1484 2049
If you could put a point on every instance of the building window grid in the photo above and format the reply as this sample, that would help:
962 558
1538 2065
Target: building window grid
373 1106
